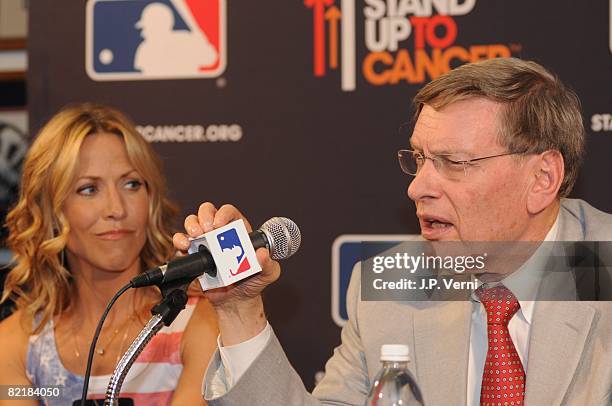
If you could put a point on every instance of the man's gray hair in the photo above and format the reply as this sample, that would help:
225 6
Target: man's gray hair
539 113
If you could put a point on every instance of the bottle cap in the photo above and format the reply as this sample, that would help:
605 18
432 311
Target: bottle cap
394 352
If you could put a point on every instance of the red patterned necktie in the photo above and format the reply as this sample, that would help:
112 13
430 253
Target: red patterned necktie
503 380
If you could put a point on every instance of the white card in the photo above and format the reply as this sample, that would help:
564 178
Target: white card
233 252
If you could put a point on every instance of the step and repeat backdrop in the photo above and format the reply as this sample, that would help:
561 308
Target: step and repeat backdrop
297 107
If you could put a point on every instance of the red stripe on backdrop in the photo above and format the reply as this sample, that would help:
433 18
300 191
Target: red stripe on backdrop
206 13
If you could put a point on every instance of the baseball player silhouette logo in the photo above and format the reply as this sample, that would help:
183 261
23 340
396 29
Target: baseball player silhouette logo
161 39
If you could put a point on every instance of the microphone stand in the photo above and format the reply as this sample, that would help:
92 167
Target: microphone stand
280 235
164 313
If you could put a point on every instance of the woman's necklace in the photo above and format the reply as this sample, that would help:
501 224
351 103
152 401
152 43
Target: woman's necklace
102 349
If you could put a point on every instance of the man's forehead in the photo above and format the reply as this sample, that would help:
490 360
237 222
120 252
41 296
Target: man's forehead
465 125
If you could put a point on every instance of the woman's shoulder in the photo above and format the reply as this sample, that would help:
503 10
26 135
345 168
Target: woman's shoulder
14 334
15 327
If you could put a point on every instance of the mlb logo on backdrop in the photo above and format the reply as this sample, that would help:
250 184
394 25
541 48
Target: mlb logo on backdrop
155 39
346 253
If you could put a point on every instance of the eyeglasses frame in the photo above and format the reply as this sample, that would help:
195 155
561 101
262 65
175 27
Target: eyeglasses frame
466 163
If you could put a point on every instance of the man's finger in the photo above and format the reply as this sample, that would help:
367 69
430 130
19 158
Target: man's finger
192 226
228 213
206 216
263 257
180 241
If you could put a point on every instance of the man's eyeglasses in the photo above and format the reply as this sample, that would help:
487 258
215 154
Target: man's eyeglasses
411 163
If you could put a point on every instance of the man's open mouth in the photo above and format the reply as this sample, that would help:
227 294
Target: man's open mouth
434 227
437 224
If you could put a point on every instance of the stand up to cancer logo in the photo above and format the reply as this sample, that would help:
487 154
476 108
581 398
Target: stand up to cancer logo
403 41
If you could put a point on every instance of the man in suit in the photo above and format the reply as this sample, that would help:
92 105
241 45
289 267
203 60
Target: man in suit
496 149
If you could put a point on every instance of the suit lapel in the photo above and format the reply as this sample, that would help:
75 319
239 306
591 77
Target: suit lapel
559 332
441 341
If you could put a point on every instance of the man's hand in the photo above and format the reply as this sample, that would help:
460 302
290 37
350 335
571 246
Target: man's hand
239 306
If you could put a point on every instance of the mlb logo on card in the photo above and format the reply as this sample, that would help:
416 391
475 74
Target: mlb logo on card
233 251
155 39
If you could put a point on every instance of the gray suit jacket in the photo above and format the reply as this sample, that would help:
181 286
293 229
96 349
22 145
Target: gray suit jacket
570 349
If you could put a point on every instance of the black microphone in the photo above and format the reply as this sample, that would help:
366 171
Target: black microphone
279 235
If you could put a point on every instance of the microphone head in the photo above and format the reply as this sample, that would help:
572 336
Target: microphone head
283 236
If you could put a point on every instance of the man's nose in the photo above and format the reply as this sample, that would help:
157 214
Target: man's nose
426 183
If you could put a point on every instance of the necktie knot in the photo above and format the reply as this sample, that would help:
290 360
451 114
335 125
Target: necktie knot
499 302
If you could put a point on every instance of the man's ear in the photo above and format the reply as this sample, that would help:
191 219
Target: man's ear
548 172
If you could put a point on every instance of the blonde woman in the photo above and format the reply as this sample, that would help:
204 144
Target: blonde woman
91 215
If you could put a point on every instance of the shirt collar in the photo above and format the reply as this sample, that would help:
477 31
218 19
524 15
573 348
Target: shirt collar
524 283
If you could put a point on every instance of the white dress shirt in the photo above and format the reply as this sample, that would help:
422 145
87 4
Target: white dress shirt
237 358
524 285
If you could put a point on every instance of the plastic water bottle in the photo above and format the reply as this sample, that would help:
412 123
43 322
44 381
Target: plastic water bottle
394 385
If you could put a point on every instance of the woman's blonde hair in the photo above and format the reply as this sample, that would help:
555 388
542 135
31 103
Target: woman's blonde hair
40 283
